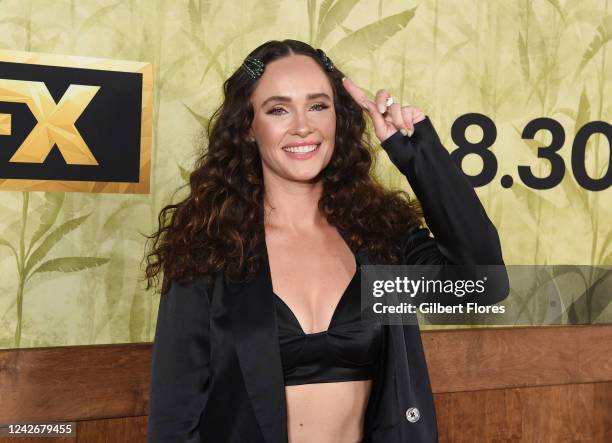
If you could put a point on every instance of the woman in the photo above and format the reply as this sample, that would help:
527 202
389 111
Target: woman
259 337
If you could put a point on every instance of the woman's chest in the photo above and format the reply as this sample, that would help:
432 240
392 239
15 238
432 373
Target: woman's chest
310 275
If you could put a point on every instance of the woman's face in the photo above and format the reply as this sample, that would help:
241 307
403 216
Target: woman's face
294 108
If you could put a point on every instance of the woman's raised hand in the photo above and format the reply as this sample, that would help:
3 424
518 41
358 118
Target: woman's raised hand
387 116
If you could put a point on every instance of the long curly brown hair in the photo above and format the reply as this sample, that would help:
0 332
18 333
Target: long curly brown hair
219 227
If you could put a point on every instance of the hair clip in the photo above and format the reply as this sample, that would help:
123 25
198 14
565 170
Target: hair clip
325 59
254 67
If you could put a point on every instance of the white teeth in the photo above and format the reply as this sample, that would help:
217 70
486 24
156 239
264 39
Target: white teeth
300 149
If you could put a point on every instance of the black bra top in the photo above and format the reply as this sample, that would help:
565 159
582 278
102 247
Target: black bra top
347 350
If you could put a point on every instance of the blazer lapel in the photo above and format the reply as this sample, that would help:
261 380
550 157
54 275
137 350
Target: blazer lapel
257 347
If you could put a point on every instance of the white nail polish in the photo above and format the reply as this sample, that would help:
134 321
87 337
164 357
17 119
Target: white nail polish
403 131
389 101
382 108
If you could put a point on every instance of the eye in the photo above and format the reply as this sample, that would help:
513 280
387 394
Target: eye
273 111
320 106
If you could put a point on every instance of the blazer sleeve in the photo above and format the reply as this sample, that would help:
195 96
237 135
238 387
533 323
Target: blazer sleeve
180 369
463 234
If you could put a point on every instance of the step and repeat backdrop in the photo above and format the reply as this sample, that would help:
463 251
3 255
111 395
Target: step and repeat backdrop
103 106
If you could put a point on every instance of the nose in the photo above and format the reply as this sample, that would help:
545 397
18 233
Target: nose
301 125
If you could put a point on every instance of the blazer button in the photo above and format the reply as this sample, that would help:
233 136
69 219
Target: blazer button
413 415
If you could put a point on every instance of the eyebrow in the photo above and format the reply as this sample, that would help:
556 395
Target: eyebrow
283 98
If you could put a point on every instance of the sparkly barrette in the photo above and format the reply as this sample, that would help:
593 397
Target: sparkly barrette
325 59
254 67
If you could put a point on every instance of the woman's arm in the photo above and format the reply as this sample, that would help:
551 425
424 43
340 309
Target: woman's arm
180 371
463 233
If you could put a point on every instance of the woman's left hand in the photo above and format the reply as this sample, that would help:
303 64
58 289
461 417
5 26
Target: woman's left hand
388 117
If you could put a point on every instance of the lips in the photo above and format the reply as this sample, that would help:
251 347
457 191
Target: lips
301 148
303 143
303 152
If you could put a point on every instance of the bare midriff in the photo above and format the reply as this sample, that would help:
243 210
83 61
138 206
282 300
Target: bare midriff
327 412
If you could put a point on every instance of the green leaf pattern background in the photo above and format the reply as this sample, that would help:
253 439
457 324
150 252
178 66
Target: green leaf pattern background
71 263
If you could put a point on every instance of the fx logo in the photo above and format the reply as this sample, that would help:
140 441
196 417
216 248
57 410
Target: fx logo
75 124
55 122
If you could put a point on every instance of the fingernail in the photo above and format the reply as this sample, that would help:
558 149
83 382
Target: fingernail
382 108
343 78
410 133
403 131
389 101
363 104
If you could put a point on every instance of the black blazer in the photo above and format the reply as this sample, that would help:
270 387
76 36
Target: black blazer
216 371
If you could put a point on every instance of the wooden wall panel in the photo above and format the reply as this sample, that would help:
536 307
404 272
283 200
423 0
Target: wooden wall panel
565 413
75 383
469 360
550 384
126 429
602 412
479 416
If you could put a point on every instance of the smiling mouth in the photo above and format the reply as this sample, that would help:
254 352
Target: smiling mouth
301 149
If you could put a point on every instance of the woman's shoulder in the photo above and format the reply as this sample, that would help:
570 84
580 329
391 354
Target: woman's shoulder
200 284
